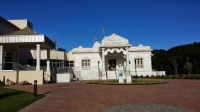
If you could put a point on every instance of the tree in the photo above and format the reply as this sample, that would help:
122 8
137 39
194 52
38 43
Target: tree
61 49
188 67
173 60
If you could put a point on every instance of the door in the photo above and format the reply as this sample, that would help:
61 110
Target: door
112 64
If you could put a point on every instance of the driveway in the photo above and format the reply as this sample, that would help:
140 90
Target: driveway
80 97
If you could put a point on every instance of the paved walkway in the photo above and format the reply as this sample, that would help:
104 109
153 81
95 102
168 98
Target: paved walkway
80 97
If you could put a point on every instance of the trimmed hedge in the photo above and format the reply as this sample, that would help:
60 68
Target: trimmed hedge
134 82
180 76
192 76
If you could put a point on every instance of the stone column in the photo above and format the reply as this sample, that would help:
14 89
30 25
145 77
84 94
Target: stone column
127 58
103 64
128 70
103 59
1 57
38 57
48 59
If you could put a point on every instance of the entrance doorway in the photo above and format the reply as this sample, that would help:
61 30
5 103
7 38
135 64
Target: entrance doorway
112 64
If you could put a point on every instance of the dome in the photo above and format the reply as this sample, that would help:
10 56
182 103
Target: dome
114 39
96 44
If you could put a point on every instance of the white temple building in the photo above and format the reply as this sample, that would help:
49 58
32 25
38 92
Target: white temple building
28 56
103 60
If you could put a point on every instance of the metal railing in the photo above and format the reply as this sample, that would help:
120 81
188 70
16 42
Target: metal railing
18 66
64 70
6 66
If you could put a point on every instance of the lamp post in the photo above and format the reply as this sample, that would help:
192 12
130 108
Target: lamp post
35 88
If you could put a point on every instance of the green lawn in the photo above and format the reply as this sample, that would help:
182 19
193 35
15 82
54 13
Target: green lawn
14 100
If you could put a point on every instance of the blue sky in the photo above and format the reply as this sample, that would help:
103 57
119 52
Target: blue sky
161 24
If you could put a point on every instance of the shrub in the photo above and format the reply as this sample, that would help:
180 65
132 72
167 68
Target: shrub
197 76
163 76
180 75
1 83
152 76
158 76
134 82
147 76
136 76
183 77
176 77
171 76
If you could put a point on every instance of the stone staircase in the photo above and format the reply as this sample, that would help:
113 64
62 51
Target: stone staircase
112 74
89 75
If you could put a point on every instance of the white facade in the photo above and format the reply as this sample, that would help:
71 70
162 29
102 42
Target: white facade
112 52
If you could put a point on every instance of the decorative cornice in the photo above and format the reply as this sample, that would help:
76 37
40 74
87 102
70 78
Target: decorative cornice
115 49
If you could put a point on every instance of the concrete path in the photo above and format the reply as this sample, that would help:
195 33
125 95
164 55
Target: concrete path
80 97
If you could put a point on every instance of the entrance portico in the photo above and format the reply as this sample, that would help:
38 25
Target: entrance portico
112 57
115 51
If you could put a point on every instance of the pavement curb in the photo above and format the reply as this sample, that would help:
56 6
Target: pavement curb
29 106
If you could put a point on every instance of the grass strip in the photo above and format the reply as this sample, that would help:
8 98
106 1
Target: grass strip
14 100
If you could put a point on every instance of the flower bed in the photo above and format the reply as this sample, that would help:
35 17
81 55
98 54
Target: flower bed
134 82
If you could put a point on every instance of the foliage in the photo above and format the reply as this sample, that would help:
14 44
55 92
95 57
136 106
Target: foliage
116 82
180 76
173 60
1 83
147 76
152 76
135 76
14 100
188 67
61 49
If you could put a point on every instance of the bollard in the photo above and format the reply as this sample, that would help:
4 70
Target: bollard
98 70
3 80
35 88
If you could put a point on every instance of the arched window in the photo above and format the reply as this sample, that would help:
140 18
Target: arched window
85 63
139 62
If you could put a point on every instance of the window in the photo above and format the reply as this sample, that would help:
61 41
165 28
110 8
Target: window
30 62
85 64
43 62
55 63
139 62
69 63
